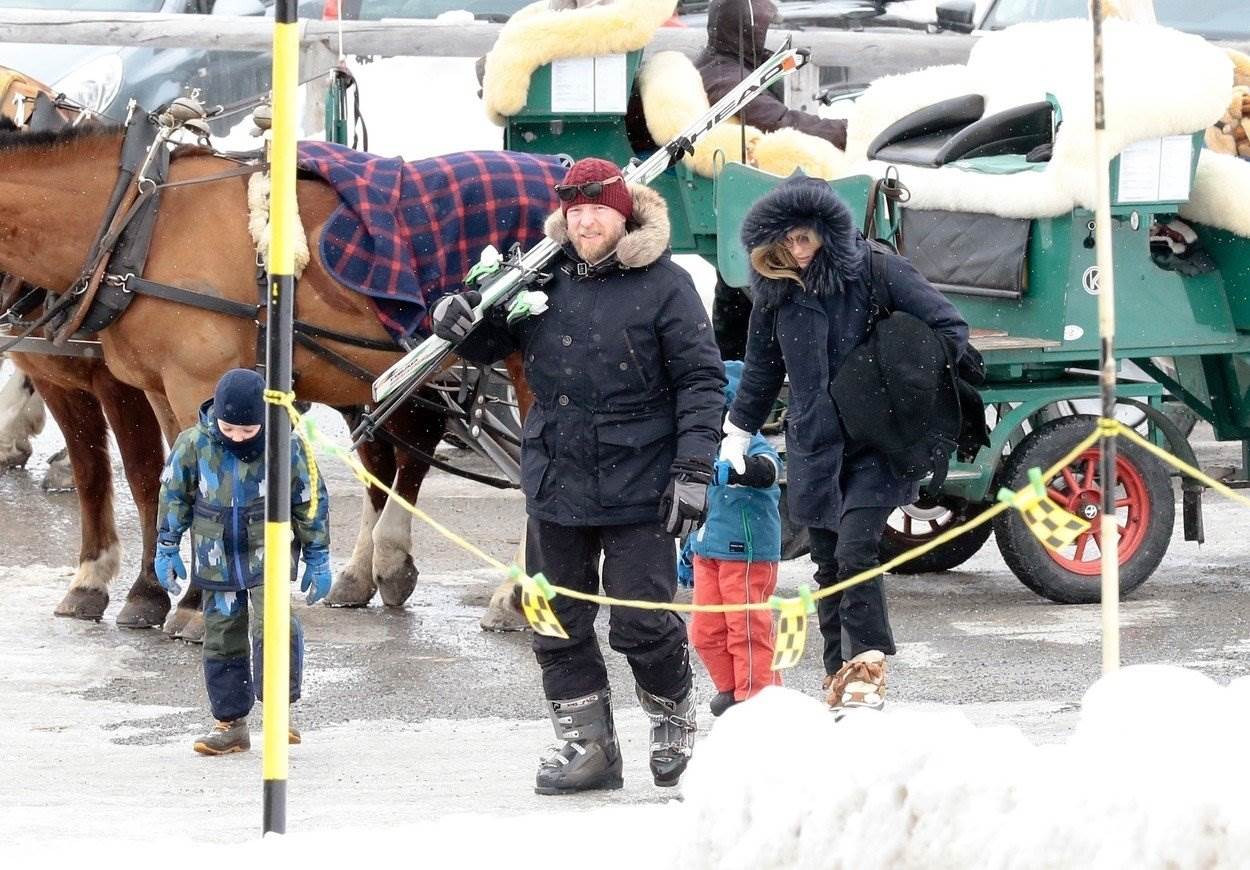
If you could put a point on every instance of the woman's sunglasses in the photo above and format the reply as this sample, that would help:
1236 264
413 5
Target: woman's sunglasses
589 189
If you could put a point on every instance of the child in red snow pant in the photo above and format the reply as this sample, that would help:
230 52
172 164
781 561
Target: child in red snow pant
736 648
735 554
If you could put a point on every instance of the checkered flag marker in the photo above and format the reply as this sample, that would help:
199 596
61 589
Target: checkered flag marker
536 595
791 628
1050 524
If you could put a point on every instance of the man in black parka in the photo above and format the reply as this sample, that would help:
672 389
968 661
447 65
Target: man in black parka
617 454
813 302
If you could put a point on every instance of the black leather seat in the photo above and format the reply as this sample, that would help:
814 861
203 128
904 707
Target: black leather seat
954 130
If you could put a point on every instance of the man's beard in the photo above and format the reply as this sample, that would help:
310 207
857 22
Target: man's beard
595 250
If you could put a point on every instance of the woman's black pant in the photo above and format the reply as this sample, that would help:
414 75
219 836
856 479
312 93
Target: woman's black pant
854 620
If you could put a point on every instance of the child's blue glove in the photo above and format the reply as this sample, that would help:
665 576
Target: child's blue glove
317 578
720 472
685 565
169 568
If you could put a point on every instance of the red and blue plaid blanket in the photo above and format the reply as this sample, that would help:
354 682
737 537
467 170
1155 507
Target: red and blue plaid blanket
407 233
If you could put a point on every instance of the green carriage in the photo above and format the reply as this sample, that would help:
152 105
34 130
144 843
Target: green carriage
1001 219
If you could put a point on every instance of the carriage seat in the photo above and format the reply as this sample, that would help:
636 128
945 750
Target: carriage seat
955 129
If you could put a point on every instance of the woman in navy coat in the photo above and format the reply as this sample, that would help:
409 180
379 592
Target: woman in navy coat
810 286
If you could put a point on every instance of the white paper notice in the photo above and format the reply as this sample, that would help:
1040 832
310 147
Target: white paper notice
610 93
1176 157
1156 170
573 85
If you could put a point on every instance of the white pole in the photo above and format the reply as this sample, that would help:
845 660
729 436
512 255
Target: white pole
1108 539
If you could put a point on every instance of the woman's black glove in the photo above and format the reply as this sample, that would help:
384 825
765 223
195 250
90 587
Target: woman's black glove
683 507
761 472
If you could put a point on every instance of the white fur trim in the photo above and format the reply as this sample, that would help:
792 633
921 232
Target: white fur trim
538 34
1221 193
258 221
1017 66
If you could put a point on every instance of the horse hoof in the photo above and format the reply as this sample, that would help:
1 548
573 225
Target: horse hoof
178 619
351 589
144 611
396 588
59 476
193 630
504 613
83 603
16 457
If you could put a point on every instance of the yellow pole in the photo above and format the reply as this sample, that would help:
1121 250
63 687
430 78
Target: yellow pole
277 635
1108 539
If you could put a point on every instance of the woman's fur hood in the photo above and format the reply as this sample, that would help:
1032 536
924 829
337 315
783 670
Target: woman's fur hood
800 201
647 234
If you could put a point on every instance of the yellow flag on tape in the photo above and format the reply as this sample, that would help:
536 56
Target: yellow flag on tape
791 629
1052 525
535 604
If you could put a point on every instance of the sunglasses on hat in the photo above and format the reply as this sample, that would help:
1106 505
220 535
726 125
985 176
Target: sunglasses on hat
588 189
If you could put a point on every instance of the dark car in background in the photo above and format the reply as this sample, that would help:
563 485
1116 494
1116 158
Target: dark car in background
105 78
497 11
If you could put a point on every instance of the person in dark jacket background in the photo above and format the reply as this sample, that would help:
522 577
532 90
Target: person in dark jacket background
736 30
616 458
810 274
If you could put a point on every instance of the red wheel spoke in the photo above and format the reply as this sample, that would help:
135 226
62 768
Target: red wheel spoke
1070 479
1059 497
1081 543
1125 502
1091 469
907 524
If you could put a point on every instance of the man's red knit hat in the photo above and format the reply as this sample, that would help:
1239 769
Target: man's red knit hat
615 195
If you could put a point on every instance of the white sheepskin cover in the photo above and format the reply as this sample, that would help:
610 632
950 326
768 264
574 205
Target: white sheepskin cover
537 35
673 97
1020 65
258 223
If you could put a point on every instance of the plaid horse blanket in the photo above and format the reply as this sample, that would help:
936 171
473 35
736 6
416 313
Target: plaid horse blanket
407 233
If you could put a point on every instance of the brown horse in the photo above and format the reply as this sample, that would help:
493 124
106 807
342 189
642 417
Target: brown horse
53 190
84 400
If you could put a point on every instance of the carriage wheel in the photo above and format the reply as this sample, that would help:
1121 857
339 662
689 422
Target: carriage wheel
1145 510
918 523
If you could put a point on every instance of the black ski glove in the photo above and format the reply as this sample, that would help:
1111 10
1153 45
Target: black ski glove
452 317
683 507
761 472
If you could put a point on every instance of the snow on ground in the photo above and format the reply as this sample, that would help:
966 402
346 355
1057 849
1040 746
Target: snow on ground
1154 776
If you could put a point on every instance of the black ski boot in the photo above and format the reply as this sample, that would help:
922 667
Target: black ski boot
672 735
590 757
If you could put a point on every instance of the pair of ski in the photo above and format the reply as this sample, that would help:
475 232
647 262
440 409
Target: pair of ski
507 282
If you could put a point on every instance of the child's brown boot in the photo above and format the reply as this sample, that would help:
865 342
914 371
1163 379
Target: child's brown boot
226 737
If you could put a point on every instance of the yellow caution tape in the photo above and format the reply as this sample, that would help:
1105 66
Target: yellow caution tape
303 429
536 595
1055 527
791 637
1051 523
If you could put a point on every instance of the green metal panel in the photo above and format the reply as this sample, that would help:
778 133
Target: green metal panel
737 189
1232 255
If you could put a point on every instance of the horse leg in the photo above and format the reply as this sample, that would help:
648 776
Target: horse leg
138 437
165 415
504 611
393 568
81 420
21 418
355 586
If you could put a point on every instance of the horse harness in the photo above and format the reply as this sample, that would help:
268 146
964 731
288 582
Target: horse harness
113 272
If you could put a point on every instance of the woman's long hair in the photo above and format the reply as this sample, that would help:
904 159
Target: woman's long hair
776 261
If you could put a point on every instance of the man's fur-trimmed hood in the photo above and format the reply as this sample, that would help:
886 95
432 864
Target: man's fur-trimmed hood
647 235
800 201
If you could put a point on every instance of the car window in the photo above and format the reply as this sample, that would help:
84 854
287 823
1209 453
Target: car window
1213 19
85 5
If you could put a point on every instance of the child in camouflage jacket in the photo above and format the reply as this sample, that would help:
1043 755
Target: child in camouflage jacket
214 484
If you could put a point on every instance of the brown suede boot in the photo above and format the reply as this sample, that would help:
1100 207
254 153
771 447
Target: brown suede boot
859 683
226 737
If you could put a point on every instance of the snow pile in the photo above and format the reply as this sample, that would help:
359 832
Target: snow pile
1153 777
